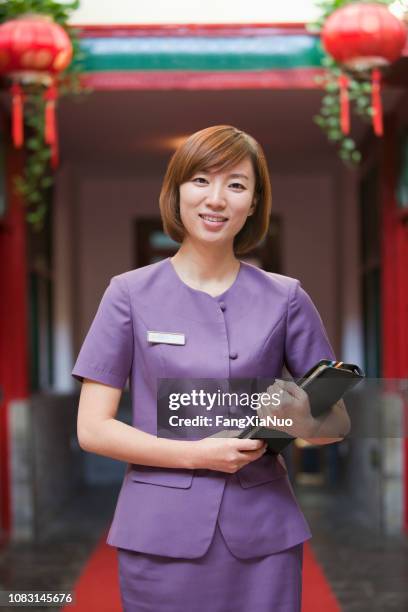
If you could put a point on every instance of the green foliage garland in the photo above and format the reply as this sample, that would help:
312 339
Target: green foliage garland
37 176
359 89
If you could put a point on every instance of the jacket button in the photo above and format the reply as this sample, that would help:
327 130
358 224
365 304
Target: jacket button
222 306
233 355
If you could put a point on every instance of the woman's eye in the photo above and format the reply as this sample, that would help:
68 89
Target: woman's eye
202 181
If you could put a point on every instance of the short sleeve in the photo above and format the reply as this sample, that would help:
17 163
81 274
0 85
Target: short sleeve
306 340
107 351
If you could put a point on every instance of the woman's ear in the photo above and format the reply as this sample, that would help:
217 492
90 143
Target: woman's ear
252 208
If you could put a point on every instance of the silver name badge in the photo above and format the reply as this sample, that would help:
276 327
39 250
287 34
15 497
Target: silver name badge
166 337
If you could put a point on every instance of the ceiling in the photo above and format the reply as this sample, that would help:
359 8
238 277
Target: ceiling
136 126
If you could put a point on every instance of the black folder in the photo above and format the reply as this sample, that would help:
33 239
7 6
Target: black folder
325 383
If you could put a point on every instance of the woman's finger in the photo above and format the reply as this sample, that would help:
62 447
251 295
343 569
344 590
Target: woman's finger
249 456
292 389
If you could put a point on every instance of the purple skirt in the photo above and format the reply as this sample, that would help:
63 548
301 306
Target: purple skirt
217 581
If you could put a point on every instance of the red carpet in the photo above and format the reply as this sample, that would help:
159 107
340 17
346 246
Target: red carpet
317 595
97 588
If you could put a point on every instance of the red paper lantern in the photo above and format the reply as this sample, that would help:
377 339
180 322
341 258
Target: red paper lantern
363 37
34 49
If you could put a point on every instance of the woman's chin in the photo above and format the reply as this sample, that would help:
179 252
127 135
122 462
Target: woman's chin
210 239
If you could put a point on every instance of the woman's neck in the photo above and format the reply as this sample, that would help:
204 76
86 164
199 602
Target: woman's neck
205 268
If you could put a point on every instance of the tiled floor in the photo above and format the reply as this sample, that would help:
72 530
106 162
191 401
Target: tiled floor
368 572
55 561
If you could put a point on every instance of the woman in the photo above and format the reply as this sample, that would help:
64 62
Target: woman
209 524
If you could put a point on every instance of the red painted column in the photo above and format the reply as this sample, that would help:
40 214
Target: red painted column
13 322
401 239
394 256
402 247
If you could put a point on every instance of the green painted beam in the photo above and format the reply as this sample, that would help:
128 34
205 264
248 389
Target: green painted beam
201 53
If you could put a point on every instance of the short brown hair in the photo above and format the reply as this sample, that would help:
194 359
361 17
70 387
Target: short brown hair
218 147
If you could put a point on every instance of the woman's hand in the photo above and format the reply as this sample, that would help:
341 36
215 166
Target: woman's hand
226 454
293 406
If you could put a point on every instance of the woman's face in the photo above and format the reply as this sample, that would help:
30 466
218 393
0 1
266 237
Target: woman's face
215 205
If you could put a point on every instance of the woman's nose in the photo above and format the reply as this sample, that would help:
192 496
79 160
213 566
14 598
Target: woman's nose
215 197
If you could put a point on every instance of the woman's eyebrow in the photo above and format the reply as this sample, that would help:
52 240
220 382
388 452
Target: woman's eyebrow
233 175
238 176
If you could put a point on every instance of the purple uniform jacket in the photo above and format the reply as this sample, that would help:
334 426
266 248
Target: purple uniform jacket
261 323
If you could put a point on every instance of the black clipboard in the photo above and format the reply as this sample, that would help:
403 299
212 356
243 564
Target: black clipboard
341 377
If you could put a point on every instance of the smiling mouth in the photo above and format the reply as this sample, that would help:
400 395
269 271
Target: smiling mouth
213 218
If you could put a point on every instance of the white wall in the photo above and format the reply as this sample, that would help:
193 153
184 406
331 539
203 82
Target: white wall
193 11
348 232
64 267
105 209
307 205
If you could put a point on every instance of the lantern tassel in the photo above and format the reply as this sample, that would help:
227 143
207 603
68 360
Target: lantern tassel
17 115
344 104
50 133
376 102
55 153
